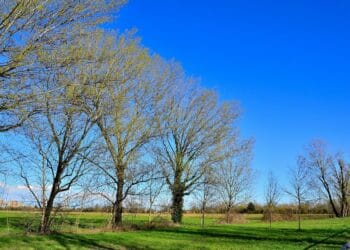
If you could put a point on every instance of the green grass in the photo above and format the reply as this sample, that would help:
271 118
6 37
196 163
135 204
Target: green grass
86 231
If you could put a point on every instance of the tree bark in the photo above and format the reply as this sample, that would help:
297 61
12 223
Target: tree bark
45 221
44 227
334 208
47 208
203 214
117 218
177 205
344 203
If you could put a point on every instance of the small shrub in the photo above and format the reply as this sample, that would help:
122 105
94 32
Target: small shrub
233 218
279 217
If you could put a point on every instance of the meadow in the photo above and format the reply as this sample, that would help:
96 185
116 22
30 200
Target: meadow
89 231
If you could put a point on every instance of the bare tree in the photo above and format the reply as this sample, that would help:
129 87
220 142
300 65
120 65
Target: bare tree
121 93
104 181
272 195
193 126
330 176
153 188
234 176
341 181
58 138
28 28
299 188
206 192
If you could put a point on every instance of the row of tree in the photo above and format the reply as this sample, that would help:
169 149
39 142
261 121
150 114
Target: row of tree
92 111
86 111
318 176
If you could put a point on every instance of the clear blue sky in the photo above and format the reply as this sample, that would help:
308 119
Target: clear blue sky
287 62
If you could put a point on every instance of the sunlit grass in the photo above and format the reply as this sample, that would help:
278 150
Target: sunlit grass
90 231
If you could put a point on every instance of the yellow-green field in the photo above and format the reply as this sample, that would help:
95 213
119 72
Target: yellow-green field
89 231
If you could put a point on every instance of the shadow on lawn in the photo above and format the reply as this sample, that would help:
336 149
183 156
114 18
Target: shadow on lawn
109 243
20 223
31 224
307 238
67 241
312 237
326 239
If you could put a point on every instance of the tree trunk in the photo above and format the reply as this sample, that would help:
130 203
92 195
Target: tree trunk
177 205
150 204
149 214
203 214
334 208
228 213
299 215
344 204
117 217
45 221
44 227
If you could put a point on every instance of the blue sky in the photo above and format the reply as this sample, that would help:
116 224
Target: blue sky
287 62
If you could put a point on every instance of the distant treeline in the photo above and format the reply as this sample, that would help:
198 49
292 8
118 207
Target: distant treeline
250 208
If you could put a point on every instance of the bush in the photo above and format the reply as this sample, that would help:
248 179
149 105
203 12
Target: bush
250 207
233 218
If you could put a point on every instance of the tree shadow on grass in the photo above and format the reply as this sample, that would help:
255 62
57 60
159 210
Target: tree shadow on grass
312 237
20 223
323 241
307 238
68 241
31 224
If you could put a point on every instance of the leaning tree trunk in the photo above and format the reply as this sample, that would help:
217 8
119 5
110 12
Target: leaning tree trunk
44 227
177 205
46 220
117 218
334 208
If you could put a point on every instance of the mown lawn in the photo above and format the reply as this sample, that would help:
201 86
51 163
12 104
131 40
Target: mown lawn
87 231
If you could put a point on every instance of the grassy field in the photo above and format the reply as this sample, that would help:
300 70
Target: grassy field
88 231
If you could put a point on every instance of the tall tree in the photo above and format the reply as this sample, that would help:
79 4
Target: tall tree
330 176
121 93
28 27
193 127
61 134
341 181
59 138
